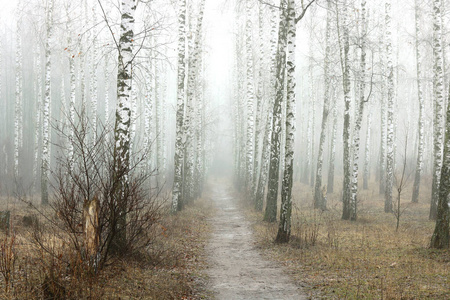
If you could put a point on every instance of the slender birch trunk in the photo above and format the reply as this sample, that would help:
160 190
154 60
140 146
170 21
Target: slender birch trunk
45 161
259 102
38 116
18 112
330 180
122 134
272 195
179 155
93 75
319 199
249 96
441 235
265 155
345 65
366 174
420 143
438 91
358 121
284 228
390 112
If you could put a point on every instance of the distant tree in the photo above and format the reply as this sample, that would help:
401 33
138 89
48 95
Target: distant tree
319 201
390 111
420 143
330 179
45 162
18 115
250 95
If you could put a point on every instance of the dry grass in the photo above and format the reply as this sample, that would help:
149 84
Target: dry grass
171 269
366 259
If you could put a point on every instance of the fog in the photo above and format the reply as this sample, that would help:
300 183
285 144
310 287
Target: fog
231 71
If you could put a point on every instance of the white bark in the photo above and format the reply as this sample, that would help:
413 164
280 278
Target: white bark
438 95
284 228
359 116
390 113
18 112
319 200
93 75
45 163
420 125
38 116
178 160
249 96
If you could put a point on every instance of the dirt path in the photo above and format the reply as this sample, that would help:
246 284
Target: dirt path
237 270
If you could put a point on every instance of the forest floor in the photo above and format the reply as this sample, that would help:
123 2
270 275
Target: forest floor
365 259
173 268
237 269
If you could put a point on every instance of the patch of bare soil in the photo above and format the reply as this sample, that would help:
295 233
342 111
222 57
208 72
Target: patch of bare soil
237 269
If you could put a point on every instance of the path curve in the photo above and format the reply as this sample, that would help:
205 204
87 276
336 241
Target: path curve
237 269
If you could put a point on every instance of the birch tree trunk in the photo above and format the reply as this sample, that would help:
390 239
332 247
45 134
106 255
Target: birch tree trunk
122 134
259 102
345 64
45 161
38 116
319 199
284 228
178 160
438 91
265 155
383 119
390 113
249 97
271 203
330 180
420 143
72 99
18 113
93 84
441 237
367 151
358 121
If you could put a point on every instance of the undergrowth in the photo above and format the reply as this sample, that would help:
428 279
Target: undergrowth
367 259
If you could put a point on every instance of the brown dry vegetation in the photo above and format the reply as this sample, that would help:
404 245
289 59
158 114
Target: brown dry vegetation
366 259
171 269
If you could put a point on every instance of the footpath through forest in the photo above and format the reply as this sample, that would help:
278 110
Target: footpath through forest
237 269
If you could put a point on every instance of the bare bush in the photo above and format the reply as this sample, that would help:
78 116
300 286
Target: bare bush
89 203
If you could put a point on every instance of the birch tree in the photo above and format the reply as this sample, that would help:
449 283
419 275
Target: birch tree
441 237
271 202
265 155
249 96
358 121
18 112
420 143
284 228
122 135
45 161
330 179
345 66
178 160
438 95
390 112
319 200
